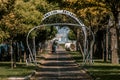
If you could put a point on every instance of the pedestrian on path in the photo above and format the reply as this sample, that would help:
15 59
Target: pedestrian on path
54 46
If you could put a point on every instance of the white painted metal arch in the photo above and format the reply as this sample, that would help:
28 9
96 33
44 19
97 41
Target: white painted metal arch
72 15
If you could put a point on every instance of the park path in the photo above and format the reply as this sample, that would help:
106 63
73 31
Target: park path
59 66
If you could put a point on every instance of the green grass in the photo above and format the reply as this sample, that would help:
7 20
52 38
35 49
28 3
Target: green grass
77 56
100 70
20 71
104 71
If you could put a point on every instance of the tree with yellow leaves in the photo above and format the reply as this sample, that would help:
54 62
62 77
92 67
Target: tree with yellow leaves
96 14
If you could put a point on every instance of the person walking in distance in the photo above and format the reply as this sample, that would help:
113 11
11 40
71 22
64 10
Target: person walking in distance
54 46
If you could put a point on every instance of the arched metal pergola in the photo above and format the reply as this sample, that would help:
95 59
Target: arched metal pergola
86 52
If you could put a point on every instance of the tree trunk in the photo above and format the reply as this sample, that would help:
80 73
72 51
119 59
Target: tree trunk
77 42
34 48
107 44
11 52
119 32
99 44
115 38
114 46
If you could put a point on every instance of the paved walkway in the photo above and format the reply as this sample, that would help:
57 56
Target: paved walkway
59 66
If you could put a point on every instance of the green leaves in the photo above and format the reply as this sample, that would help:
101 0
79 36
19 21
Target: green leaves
46 33
3 35
6 6
8 20
71 35
17 17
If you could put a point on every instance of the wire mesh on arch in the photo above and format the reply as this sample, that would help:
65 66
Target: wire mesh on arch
59 18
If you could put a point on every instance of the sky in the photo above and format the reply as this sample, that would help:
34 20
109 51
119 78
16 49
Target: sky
62 34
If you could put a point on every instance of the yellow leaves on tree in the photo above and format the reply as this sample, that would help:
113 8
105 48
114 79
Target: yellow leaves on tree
3 35
9 21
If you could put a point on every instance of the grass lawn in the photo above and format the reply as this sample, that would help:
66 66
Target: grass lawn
20 71
100 70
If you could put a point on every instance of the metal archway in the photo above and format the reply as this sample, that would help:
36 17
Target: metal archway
80 24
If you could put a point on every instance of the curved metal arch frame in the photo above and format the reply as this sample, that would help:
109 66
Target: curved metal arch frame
80 25
72 15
